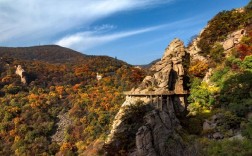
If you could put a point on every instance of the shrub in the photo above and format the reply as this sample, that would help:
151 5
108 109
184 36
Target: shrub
11 89
219 75
201 97
247 63
217 53
229 148
198 68
235 93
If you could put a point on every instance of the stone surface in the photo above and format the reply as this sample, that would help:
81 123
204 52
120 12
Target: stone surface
207 125
212 122
228 44
233 39
213 128
63 123
208 76
237 137
21 72
218 135
194 50
157 135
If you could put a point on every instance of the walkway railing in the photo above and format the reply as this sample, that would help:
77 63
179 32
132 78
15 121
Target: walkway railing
150 93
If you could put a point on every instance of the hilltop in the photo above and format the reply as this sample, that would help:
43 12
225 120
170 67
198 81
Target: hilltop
47 53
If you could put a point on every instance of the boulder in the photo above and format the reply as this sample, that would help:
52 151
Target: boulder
218 135
237 137
228 44
207 126
233 39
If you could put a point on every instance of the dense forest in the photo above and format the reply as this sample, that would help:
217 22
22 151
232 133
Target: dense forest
30 112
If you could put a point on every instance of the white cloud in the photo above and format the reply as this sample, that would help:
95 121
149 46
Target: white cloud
85 40
104 27
89 39
35 19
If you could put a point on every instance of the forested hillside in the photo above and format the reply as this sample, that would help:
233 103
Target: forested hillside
30 113
221 87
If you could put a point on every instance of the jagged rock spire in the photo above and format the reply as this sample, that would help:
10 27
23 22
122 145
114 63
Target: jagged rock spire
161 123
169 71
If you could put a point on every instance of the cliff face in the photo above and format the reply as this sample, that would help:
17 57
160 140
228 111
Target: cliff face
165 92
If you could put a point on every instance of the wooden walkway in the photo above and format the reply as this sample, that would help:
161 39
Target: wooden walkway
163 93
162 100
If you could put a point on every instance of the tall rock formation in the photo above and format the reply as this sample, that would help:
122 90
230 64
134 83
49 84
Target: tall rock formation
21 72
166 93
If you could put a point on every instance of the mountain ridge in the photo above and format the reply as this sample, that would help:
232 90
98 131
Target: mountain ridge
47 53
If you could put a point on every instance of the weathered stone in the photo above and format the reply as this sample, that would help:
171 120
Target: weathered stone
207 125
233 39
158 136
228 44
218 135
21 72
208 76
237 137
194 50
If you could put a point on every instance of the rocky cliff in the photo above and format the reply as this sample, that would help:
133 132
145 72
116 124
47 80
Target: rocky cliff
164 93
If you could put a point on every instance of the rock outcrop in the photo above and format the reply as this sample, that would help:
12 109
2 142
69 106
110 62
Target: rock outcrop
63 123
233 39
21 72
166 91
217 127
194 50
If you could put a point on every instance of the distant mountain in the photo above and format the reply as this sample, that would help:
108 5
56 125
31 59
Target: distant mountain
150 64
47 53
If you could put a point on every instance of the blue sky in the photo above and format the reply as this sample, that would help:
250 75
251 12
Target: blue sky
136 31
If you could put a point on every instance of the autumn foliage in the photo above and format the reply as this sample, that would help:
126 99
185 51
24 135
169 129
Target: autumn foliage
29 113
198 68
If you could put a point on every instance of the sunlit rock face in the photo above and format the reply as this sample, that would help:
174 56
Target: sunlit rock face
233 39
21 72
166 91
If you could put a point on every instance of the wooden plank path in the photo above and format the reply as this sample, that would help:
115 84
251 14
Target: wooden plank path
163 93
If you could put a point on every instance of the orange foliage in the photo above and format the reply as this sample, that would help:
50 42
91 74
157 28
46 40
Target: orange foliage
244 50
16 120
198 68
12 132
59 89
66 146
76 87
81 70
137 75
17 138
14 109
6 79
